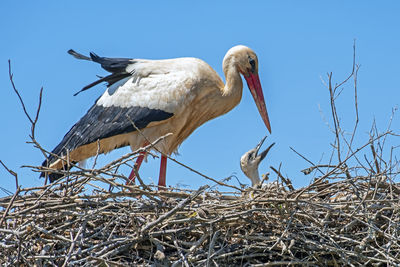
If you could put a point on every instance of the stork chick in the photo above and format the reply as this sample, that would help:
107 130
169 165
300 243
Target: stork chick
250 161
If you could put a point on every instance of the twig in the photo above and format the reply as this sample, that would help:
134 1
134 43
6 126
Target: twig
309 161
32 121
71 249
285 180
9 206
12 173
211 247
182 204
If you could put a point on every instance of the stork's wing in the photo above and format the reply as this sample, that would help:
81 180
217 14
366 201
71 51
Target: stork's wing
141 91
102 122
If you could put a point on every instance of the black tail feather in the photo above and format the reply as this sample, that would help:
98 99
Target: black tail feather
117 67
110 79
113 65
78 56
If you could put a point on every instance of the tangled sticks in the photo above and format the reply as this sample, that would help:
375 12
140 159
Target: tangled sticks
338 223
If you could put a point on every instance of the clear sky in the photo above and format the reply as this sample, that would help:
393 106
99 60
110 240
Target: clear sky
297 43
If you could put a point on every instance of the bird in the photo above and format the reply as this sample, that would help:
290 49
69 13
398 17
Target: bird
146 99
250 161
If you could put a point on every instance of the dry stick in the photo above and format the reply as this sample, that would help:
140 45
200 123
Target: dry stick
71 249
205 176
16 91
340 164
350 150
211 246
144 186
181 205
375 158
97 154
332 154
353 74
389 126
9 205
355 102
285 180
353 69
12 173
332 92
334 115
369 164
309 161
37 116
181 255
104 261
32 121
312 168
284 232
183 165
197 243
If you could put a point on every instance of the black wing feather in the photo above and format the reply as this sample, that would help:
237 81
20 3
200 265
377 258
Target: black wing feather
102 122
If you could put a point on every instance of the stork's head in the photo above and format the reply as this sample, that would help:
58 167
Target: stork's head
250 161
246 63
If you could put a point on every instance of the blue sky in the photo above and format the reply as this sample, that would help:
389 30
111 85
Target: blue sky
297 43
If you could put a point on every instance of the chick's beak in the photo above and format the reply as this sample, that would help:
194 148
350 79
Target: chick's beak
260 144
262 155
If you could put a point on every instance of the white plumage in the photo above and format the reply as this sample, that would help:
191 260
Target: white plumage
155 88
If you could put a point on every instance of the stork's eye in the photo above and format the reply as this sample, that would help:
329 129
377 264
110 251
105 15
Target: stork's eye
253 64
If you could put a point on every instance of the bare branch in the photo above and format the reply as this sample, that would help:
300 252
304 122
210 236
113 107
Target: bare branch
12 173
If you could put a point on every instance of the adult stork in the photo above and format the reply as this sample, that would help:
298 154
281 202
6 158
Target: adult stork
159 97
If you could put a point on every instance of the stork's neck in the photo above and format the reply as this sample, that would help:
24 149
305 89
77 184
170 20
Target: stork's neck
233 82
254 176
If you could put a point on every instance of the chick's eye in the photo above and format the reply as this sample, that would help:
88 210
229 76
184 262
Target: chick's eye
253 64
249 156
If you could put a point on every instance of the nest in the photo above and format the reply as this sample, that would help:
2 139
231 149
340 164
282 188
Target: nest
341 222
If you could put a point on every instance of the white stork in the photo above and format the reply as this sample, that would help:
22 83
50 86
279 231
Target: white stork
250 161
160 97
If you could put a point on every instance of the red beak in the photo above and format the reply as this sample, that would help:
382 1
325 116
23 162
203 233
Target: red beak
253 82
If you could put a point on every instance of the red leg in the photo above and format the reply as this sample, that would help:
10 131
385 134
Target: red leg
163 172
139 161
